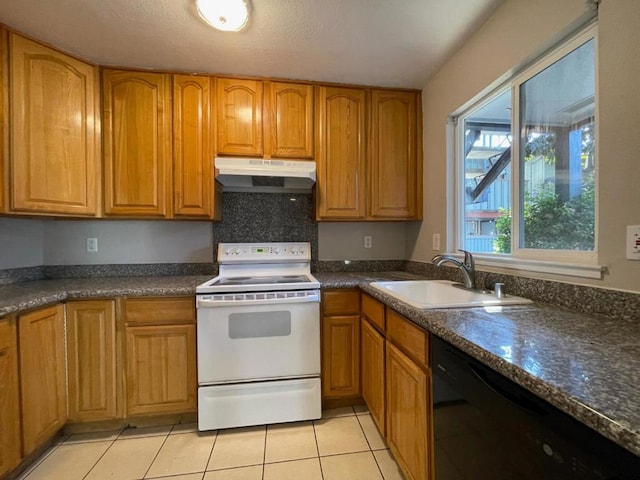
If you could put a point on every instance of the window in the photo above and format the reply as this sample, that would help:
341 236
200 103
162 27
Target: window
526 166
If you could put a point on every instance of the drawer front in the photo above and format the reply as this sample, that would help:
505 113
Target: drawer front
159 310
341 302
408 337
374 311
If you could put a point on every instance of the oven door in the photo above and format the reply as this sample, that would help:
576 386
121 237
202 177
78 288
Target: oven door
244 341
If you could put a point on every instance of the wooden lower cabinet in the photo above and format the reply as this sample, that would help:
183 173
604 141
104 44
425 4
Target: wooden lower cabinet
396 385
340 359
408 402
91 360
340 344
42 375
372 362
161 369
9 397
160 372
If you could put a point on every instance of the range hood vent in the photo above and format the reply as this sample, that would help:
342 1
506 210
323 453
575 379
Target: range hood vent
268 176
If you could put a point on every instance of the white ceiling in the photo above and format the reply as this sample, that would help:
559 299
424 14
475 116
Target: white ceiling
397 43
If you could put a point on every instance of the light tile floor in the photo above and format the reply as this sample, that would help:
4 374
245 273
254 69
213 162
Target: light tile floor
343 445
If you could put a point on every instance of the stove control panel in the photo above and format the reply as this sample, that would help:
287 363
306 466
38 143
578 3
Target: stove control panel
264 252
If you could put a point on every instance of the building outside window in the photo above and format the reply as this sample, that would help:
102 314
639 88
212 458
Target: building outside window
526 166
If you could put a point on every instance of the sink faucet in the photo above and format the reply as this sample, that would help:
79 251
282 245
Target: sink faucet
467 267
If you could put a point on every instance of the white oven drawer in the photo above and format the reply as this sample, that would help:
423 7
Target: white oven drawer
228 406
248 343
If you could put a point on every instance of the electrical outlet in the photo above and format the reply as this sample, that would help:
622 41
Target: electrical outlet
633 242
92 244
436 241
368 241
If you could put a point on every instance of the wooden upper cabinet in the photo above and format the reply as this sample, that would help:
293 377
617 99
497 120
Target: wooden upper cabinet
340 153
193 148
239 116
395 176
137 143
42 375
54 142
288 120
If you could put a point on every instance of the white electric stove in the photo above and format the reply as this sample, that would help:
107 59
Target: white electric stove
259 337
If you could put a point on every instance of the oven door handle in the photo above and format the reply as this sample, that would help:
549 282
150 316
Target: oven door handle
203 303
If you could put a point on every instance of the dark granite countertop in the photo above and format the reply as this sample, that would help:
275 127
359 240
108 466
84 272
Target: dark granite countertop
588 367
24 296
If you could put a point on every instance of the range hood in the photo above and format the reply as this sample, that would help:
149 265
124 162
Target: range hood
260 175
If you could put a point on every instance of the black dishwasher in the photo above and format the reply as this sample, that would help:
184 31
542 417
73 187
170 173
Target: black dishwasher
486 427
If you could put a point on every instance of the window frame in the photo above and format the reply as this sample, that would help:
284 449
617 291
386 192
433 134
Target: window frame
563 262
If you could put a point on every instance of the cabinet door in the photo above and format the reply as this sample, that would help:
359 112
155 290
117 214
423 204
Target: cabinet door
137 143
192 148
91 358
54 158
340 153
4 119
372 372
408 398
395 176
42 375
239 106
161 369
9 397
288 120
340 356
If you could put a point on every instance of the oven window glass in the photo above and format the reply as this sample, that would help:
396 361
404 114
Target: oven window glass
259 324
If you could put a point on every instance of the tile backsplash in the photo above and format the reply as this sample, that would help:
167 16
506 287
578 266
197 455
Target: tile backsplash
267 217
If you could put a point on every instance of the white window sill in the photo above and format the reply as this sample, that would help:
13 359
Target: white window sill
540 266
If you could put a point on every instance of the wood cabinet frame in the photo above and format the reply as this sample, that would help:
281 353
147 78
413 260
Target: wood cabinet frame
137 143
10 436
54 134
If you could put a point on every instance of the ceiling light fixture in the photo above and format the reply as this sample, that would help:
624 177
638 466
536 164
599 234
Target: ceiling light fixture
225 15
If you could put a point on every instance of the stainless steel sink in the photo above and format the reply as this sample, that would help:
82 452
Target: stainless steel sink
443 294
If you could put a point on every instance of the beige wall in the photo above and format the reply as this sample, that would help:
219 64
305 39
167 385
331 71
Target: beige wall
345 241
127 242
33 242
21 243
517 32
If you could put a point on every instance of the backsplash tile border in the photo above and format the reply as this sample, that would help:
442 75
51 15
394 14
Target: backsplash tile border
580 298
337 266
129 270
24 274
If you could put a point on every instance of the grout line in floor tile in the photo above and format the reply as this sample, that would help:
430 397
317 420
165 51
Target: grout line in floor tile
378 465
363 432
169 477
345 453
213 445
315 436
156 455
291 460
99 458
264 450
43 456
